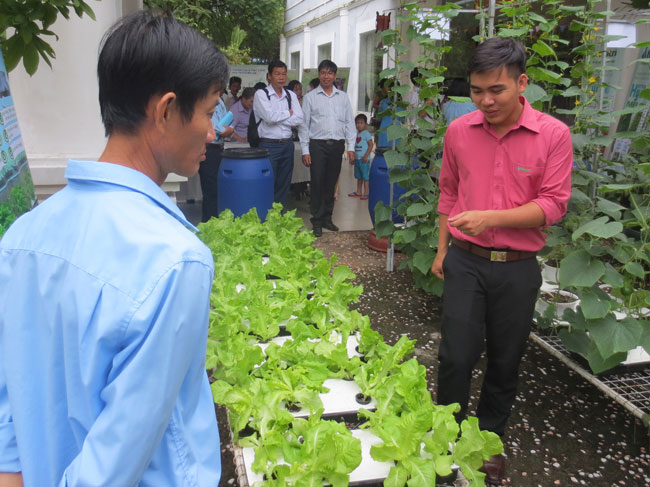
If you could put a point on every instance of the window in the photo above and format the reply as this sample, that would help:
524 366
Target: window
324 52
369 69
295 61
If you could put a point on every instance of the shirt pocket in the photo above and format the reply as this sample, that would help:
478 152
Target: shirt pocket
524 182
340 113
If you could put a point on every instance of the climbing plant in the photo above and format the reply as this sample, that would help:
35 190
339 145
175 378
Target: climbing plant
603 242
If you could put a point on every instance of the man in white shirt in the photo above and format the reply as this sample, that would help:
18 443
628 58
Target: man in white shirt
277 110
328 127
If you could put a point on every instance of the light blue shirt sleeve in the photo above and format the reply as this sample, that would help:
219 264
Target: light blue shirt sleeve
219 112
303 129
144 383
9 461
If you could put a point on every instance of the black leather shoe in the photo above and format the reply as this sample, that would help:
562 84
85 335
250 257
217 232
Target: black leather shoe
330 226
494 469
318 231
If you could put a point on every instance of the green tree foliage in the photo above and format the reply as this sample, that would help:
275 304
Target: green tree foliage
31 21
262 20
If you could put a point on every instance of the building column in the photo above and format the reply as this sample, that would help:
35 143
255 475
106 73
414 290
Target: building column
341 54
283 48
306 47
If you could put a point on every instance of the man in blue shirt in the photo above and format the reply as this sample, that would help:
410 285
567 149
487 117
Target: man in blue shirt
104 288
209 170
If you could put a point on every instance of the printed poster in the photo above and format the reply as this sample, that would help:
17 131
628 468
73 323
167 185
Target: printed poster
637 122
249 74
16 187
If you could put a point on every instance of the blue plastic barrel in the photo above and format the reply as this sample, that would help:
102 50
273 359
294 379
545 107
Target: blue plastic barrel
245 181
379 186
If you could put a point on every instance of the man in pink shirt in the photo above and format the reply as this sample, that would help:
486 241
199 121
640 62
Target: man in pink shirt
506 174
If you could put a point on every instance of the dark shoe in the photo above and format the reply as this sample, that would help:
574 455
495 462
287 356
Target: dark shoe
494 469
318 231
330 226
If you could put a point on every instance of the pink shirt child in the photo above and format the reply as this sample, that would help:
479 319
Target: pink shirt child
532 162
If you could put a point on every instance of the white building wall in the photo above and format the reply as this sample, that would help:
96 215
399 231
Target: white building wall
310 23
58 108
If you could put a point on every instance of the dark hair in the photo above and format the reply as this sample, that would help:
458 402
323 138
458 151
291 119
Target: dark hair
234 79
361 116
247 93
327 64
458 87
293 83
276 63
260 85
387 82
496 53
313 84
145 54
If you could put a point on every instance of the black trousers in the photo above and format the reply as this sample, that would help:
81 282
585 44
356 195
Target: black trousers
208 172
324 171
486 306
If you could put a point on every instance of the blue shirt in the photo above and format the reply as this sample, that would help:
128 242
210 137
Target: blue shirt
454 109
361 147
386 121
104 295
220 111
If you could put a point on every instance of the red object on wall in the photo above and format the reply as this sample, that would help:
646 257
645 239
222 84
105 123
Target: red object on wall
383 22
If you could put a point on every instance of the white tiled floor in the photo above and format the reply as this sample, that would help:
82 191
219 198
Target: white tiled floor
349 213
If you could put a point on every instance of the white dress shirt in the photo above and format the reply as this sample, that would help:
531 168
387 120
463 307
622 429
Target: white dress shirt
276 121
327 117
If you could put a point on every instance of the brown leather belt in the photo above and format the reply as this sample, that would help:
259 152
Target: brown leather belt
493 255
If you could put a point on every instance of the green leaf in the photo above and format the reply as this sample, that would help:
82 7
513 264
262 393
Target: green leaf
537 17
599 364
30 58
612 277
572 91
635 269
396 477
395 132
534 92
611 336
395 158
579 269
423 261
592 306
522 31
543 49
13 52
575 340
419 209
610 208
543 74
599 228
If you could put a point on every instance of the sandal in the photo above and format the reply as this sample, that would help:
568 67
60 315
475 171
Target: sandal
364 197
354 195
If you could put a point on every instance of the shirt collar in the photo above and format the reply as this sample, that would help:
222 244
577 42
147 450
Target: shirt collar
272 92
319 89
109 173
527 118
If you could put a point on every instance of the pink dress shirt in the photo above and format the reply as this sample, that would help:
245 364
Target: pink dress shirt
482 171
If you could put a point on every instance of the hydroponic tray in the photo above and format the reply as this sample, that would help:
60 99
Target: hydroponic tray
369 472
